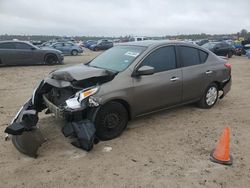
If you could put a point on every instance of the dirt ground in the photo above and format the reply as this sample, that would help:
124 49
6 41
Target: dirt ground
166 149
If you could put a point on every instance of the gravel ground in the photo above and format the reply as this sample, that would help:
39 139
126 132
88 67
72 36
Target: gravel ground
166 149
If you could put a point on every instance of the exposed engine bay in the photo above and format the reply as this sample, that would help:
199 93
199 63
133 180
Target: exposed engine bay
67 93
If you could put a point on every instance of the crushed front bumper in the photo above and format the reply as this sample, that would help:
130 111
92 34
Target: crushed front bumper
27 137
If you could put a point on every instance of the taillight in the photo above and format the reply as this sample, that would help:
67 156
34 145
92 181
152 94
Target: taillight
228 65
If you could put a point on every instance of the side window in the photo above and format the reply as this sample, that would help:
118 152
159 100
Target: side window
189 56
203 56
22 46
58 45
7 46
68 44
162 59
139 39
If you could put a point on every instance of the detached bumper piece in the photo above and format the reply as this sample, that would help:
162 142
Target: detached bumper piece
26 137
29 142
83 133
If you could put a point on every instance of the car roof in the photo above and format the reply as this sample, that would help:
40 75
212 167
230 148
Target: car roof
152 43
15 41
12 41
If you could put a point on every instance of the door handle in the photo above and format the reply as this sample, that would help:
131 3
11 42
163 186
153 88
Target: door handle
173 79
209 72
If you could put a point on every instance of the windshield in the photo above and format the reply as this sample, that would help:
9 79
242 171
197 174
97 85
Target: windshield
117 58
209 45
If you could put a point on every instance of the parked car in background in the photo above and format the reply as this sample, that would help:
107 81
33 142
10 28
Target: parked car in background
67 48
88 43
201 42
125 82
220 48
248 54
47 44
24 53
134 39
101 45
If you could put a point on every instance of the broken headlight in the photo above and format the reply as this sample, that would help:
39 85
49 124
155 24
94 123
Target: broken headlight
78 100
86 93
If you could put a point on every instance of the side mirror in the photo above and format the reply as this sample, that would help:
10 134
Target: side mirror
33 48
145 70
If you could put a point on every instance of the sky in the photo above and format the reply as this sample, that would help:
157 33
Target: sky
123 17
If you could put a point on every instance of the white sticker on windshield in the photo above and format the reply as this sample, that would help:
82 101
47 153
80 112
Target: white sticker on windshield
133 54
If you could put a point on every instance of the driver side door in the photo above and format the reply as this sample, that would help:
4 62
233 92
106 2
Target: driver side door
161 89
24 54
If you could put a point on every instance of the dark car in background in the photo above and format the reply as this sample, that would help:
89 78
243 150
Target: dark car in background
124 82
25 53
68 48
202 42
101 45
220 48
88 43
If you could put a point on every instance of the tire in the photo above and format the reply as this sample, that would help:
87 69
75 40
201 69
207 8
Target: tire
111 120
74 52
204 101
51 59
230 54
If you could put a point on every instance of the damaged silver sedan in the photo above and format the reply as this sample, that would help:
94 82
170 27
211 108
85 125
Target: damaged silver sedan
129 80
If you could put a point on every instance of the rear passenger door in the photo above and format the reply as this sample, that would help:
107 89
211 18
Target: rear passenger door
195 72
8 53
161 89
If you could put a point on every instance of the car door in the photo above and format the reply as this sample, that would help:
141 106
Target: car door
225 48
24 53
7 53
59 46
110 45
218 49
161 89
101 45
67 48
195 72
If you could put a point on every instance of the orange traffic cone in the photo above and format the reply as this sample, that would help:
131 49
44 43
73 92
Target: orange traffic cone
221 154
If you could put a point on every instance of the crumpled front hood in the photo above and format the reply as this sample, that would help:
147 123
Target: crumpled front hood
78 72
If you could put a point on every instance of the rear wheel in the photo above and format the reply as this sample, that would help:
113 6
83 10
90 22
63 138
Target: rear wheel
51 59
111 120
230 54
210 96
74 52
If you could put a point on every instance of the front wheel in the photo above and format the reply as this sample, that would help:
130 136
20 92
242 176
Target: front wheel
111 120
210 97
51 59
